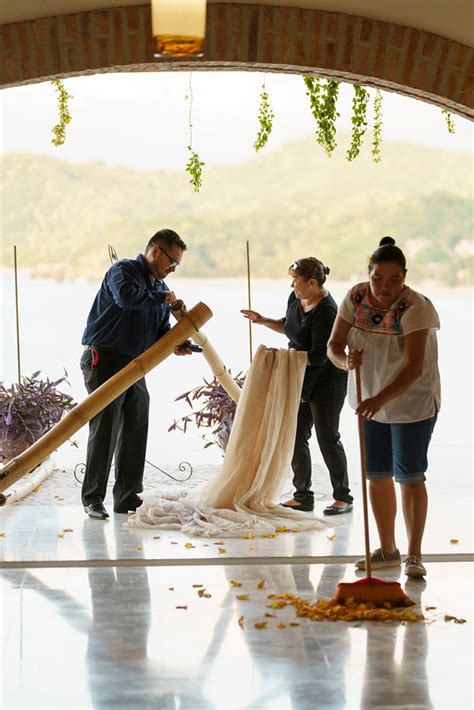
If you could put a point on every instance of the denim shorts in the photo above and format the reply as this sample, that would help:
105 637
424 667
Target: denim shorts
398 450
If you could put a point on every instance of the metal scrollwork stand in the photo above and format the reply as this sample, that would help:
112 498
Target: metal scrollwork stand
80 469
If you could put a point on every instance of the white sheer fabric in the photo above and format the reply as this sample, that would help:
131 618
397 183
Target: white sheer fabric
244 496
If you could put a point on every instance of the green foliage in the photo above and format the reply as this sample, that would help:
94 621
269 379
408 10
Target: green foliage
323 101
265 119
59 129
377 128
359 120
296 201
449 120
194 168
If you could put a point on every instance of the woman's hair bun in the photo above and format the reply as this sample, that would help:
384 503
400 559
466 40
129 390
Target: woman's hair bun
327 270
386 241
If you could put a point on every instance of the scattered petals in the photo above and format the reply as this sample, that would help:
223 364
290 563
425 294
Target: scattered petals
249 536
173 542
283 529
242 597
261 584
190 545
182 607
448 617
68 530
331 537
281 626
198 585
269 535
59 497
241 621
323 609
261 624
453 541
271 616
203 593
222 550
156 537
138 547
221 542
171 589
233 583
429 608
36 489
61 534
293 623
2 534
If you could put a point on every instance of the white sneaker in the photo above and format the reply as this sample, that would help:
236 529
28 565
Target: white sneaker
380 559
414 567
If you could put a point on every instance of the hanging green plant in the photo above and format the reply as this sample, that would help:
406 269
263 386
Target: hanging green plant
359 120
194 168
449 120
194 165
265 119
64 116
323 101
377 128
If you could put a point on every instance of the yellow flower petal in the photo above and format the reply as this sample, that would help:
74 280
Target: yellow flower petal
233 583
138 547
281 626
249 536
242 597
156 537
331 537
190 545
2 534
182 607
68 530
241 621
261 624
454 541
261 584
60 534
222 550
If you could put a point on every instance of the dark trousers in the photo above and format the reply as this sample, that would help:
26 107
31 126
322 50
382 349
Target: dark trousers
323 410
121 429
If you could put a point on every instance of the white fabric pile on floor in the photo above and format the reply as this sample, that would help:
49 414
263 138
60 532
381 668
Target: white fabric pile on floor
244 496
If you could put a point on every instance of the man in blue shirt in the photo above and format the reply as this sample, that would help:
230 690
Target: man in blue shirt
129 314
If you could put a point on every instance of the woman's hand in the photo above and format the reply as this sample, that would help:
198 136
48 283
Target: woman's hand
253 316
354 359
369 407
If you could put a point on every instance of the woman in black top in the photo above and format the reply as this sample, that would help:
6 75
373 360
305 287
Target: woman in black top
309 318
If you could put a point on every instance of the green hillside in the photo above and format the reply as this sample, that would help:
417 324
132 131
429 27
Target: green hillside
289 202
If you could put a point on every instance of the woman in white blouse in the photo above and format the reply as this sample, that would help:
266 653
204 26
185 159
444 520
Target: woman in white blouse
389 331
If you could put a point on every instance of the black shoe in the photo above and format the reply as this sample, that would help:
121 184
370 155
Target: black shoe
128 507
96 510
335 510
304 507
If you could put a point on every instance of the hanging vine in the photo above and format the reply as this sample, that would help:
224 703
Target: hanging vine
377 128
359 120
265 119
323 101
59 129
449 120
194 165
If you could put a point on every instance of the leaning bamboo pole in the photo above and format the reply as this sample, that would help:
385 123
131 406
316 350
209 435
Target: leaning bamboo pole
105 394
217 366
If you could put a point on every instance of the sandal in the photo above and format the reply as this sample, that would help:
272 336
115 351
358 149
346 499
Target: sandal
336 510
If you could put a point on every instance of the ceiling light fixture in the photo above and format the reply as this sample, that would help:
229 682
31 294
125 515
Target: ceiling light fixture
179 27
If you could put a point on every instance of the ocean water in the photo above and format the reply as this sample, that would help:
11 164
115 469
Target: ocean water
53 314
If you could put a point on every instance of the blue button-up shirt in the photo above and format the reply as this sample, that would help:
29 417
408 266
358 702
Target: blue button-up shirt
129 312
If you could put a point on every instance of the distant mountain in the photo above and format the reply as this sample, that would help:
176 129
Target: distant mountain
288 203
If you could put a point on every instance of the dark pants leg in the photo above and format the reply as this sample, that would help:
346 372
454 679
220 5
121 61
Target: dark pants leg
117 429
131 446
301 461
326 410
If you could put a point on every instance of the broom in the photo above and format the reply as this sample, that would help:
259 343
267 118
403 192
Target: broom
369 589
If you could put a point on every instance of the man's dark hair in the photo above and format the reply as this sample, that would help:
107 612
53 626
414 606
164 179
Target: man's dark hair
165 238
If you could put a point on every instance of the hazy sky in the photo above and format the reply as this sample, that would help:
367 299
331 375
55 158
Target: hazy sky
141 120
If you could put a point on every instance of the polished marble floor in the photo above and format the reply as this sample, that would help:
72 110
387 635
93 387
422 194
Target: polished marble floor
95 615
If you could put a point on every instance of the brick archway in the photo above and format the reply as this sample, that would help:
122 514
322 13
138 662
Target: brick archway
248 37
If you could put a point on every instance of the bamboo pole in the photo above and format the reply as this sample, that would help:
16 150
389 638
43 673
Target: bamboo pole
217 366
102 396
249 300
17 315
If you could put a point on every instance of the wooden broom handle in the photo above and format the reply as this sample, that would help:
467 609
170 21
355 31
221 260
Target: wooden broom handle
363 472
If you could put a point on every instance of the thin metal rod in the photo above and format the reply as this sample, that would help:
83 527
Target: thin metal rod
249 301
363 472
17 315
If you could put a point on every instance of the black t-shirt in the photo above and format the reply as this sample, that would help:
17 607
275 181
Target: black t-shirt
310 332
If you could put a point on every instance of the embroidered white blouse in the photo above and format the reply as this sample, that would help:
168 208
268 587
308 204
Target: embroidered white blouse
380 331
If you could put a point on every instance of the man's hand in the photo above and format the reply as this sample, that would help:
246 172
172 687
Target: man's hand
183 349
170 297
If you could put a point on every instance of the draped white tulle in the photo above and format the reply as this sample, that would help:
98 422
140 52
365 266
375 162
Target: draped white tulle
244 496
